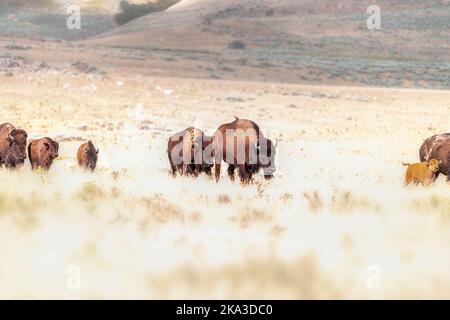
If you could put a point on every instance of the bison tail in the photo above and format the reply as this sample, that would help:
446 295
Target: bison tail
406 164
29 150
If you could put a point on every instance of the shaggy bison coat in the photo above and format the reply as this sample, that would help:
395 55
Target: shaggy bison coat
13 143
42 152
437 147
242 146
87 156
189 152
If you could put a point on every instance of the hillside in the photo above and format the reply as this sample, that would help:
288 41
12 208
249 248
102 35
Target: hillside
299 41
100 5
46 19
294 41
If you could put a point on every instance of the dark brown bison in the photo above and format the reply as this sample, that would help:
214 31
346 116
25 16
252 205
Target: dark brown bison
437 147
13 144
242 146
11 161
189 152
42 152
87 156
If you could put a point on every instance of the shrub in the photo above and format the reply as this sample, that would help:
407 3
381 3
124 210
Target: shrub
133 11
236 44
270 12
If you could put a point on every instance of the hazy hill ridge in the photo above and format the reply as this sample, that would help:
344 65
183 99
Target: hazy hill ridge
324 41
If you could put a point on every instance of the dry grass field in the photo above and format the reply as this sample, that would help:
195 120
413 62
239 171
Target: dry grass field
335 222
335 210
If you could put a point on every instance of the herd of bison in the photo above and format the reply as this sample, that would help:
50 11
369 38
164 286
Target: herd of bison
240 144
41 152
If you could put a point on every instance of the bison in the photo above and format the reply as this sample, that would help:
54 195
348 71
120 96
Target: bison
437 147
42 152
241 145
87 156
422 172
13 143
189 152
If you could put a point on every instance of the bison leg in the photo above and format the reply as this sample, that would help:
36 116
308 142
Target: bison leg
198 170
180 169
217 168
435 176
230 171
191 170
250 170
207 171
217 163
174 169
243 174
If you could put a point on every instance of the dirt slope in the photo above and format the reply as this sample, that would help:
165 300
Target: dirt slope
304 41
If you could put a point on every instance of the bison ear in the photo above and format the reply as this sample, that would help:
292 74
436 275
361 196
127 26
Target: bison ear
11 135
427 163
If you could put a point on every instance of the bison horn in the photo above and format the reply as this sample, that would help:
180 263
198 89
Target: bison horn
10 137
276 143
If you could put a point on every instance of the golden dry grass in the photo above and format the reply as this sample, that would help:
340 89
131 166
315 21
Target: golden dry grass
335 209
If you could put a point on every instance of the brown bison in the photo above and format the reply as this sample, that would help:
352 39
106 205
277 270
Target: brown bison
437 147
87 156
13 143
422 172
241 145
189 152
42 152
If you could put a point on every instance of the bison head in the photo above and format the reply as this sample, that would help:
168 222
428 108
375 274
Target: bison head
91 155
433 165
266 157
50 151
17 140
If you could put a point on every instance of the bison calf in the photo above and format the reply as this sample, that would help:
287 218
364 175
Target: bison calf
42 152
189 153
422 172
87 156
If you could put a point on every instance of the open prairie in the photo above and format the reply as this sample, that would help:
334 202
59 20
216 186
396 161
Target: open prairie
334 222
